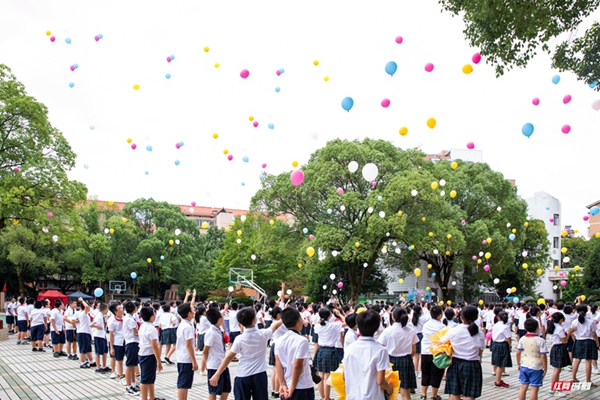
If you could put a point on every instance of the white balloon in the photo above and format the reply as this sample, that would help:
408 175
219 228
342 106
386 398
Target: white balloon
314 135
435 251
365 265
398 251
508 290
566 259
207 193
253 257
499 208
177 241
384 250
289 291
442 193
370 210
192 210
334 291
353 166
239 241
55 238
381 214
230 288
177 232
324 287
480 253
525 254
496 281
370 172
332 276
596 105
343 208
243 218
334 253
442 182
106 230
554 287
279 293
414 193
453 283
508 225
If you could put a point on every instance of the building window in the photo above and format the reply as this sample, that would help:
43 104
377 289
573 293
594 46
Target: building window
554 263
555 242
556 222
208 221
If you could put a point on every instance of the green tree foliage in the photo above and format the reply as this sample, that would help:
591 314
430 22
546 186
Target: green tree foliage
511 32
578 250
576 286
591 272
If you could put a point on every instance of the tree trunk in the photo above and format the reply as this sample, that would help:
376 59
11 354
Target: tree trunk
355 283
21 282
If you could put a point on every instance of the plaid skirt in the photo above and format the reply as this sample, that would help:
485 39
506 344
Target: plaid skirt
585 350
418 346
406 371
464 377
315 336
559 356
326 359
272 354
201 342
501 356
168 336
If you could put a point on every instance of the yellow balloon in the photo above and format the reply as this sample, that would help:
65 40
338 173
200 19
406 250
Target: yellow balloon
171 242
403 131
513 289
299 265
215 135
430 234
206 49
417 272
556 267
526 224
447 253
316 62
480 302
582 297
136 87
123 220
434 185
431 123
239 233
576 231
225 151
453 194
479 261
400 280
129 140
564 234
441 302
205 225
217 65
489 240
467 69
111 231
232 223
488 255
326 79
449 236
423 219
597 235
449 302
541 301
525 266
427 288
539 272
48 33
310 251
564 250
149 260
294 164
111 203
271 222
251 118
514 231
577 268
399 213
227 229
357 244
454 165
429 266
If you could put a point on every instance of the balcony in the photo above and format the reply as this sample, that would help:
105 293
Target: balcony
554 276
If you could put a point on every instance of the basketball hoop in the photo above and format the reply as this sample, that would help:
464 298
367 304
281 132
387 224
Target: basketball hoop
118 289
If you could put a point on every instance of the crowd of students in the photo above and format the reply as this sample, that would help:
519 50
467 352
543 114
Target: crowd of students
365 338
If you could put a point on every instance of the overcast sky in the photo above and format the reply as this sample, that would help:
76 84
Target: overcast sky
352 41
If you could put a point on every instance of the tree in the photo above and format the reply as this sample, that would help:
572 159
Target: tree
511 32
578 250
591 272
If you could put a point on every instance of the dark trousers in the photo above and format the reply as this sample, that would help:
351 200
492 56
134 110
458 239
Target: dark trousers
253 386
430 375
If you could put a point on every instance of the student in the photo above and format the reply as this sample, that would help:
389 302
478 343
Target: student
521 331
431 375
10 316
418 320
149 353
213 355
570 317
351 334
84 334
47 310
401 341
501 346
130 334
71 329
234 326
22 321
533 367
292 357
98 327
186 359
464 376
202 326
559 355
251 380
29 308
57 332
586 343
449 314
326 357
38 322
116 341
168 333
275 379
365 362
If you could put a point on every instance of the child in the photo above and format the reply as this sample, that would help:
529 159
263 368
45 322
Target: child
234 326
168 333
276 315
366 361
251 380
534 366
570 316
401 341
501 346
559 355
57 332
521 331
464 376
202 326
326 357
186 360
213 355
431 375
351 334
149 353
84 334
292 359
70 329
22 320
130 334
98 327
38 322
116 341
10 315
586 343
418 320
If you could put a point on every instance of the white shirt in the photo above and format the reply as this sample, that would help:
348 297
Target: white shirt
431 327
84 322
351 337
70 314
422 320
21 311
146 334
292 347
362 361
532 347
569 318
501 332
37 317
214 339
234 326
584 330
399 340
116 327
99 333
558 335
203 325
159 314
12 308
129 325
282 330
522 316
464 346
56 315
329 334
167 321
185 332
252 346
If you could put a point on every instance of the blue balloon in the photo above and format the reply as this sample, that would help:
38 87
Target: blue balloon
133 275
149 148
594 210
511 236
176 162
146 172
68 41
100 36
277 89
391 68
593 85
162 257
137 215
556 79
305 231
75 66
172 57
98 292
232 219
271 126
245 159
168 76
347 103
262 177
379 198
547 208
281 70
433 274
243 183
71 84
527 129
329 211
181 143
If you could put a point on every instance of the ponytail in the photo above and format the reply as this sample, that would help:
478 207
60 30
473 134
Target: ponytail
502 316
469 315
582 310
416 314
324 314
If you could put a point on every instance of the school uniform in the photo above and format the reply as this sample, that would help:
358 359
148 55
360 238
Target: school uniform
70 329
251 380
47 311
291 347
213 338
57 336
569 318
234 326
559 355
419 330
585 345
522 317
314 320
168 332
115 325
464 376
99 335
531 371
84 332
399 341
185 374
201 328
363 360
282 330
430 374
132 341
9 316
22 317
326 358
350 337
306 319
501 356
147 334
37 324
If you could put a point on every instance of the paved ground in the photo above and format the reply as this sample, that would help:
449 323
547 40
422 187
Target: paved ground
28 375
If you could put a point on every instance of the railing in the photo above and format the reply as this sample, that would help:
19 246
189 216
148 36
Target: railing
240 276
555 275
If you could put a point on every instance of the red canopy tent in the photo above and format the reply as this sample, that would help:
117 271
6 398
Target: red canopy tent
52 295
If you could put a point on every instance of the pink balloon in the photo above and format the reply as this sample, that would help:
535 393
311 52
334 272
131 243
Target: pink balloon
399 39
474 258
340 191
535 101
255 124
96 38
585 218
72 68
561 273
340 285
463 223
311 237
551 220
476 58
567 99
17 169
429 67
486 268
385 103
297 177
134 146
484 242
49 215
52 38
264 165
566 129
374 184
245 73
278 72
177 145
168 59
470 145
230 157
563 283
193 203
488 336
596 105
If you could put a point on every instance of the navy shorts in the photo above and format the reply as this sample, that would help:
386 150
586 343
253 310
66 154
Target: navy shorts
147 370
224 385
119 353
251 387
100 347
85 343
37 333
303 394
185 379
10 320
233 335
131 352
71 335
47 331
22 325
58 338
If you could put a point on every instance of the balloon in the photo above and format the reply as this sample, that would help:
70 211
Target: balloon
566 129
417 272
582 297
134 146
353 166
476 58
515 300
72 68
245 73
527 129
332 276
556 79
508 290
585 218
470 145
55 238
71 84
370 172
305 230
391 68
431 122
525 266
136 87
149 260
255 124
488 255
168 76
381 214
133 275
563 283
385 103
486 268
297 177
311 252
176 162
513 289
271 126
434 185
217 65
294 164
454 165
326 79
512 236
399 39
357 244
245 159
467 69
429 67
347 103
96 38
230 157
340 285
535 101
596 105
205 225
453 194
316 62
168 59
177 232
177 146
567 99
413 193
496 281
564 250
401 281
539 272
52 38
594 210
403 131
433 274
68 40
98 292
48 33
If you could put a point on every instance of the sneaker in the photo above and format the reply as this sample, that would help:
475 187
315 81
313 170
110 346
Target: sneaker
98 370
56 355
18 342
595 370
34 349
169 361
275 395
137 388
504 384
62 354
41 350
438 397
423 397
84 365
131 392
93 364
114 375
122 380
568 368
505 374
418 374
106 369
